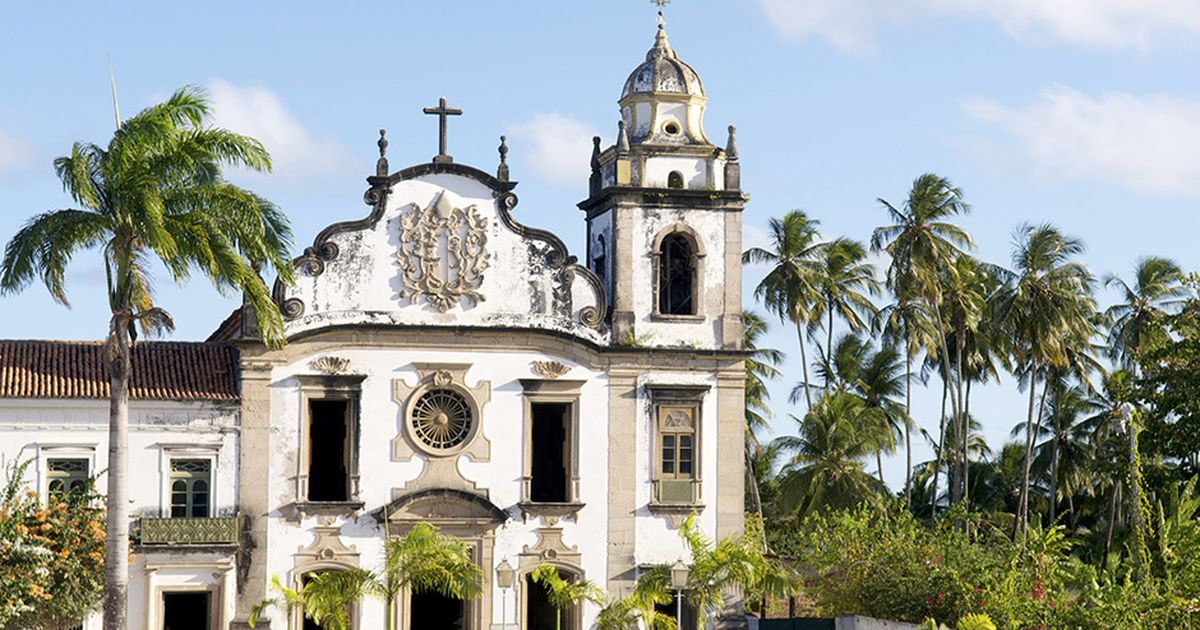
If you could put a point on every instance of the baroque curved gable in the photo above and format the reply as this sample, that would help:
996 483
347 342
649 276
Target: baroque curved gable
441 248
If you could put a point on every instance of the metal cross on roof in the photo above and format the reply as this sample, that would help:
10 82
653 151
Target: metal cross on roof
441 111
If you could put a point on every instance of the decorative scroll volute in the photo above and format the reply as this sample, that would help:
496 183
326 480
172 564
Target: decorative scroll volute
443 253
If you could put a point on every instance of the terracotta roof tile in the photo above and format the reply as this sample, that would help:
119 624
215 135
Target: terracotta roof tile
162 370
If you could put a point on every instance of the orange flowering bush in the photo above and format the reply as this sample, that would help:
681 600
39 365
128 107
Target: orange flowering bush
51 554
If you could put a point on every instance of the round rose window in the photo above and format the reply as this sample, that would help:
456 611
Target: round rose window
441 419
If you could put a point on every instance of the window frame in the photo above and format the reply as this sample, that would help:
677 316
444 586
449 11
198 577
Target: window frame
332 387
47 452
698 255
662 399
190 479
172 452
551 391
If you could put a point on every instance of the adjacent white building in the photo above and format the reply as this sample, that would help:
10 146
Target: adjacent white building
444 364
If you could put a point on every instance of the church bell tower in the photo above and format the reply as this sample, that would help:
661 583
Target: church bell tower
664 214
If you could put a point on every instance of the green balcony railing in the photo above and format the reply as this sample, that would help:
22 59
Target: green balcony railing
189 531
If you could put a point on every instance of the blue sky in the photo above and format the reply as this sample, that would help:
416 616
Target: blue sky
1083 114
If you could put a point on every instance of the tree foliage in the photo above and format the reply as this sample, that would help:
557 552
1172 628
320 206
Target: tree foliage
51 554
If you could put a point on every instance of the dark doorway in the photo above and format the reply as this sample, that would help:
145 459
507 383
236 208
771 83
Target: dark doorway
327 450
434 611
186 611
688 621
539 613
549 469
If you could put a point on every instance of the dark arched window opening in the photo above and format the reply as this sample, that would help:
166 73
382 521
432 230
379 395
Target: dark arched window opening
675 180
676 276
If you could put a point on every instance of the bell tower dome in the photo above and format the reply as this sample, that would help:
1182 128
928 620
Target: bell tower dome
663 99
664 213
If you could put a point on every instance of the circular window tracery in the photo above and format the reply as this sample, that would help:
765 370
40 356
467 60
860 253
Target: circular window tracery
441 419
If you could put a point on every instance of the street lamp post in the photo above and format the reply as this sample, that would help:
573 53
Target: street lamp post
679 582
504 579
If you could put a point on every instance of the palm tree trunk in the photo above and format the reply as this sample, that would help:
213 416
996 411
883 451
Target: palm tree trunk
116 543
962 418
1108 528
879 463
1054 455
937 462
955 407
908 419
1018 525
966 497
829 343
804 365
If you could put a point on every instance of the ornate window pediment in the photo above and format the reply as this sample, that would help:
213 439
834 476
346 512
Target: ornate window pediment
443 254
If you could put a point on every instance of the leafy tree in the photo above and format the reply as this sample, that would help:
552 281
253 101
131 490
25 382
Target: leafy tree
51 554
564 594
789 289
155 191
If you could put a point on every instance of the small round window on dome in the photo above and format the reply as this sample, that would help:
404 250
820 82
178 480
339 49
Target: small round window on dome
672 128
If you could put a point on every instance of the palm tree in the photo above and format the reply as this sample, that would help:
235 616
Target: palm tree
788 289
425 560
564 594
289 600
1137 322
844 281
1050 310
880 384
906 323
826 467
639 610
921 243
838 369
964 290
155 191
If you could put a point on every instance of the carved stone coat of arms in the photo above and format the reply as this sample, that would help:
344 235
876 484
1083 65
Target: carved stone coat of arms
443 253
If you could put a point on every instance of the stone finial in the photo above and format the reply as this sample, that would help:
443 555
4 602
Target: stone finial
381 165
622 137
733 170
502 170
596 182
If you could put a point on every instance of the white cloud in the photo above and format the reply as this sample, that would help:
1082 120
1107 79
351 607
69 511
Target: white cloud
849 25
260 113
558 148
1146 143
16 155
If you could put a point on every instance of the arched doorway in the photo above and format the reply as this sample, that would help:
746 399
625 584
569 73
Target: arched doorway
540 614
465 515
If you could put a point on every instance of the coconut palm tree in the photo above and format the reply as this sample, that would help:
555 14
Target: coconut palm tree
154 192
289 600
964 290
788 289
564 594
424 560
1049 309
844 281
826 467
880 383
839 369
1137 321
639 610
921 243
906 323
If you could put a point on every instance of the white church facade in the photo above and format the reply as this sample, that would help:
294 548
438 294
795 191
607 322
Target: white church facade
444 364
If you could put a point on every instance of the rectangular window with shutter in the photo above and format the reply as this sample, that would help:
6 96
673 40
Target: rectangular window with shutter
66 475
191 488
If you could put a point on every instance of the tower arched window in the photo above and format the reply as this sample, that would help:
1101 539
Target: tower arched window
677 276
675 180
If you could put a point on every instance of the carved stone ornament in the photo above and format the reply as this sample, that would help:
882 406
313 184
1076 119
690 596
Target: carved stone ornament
550 369
443 254
330 365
